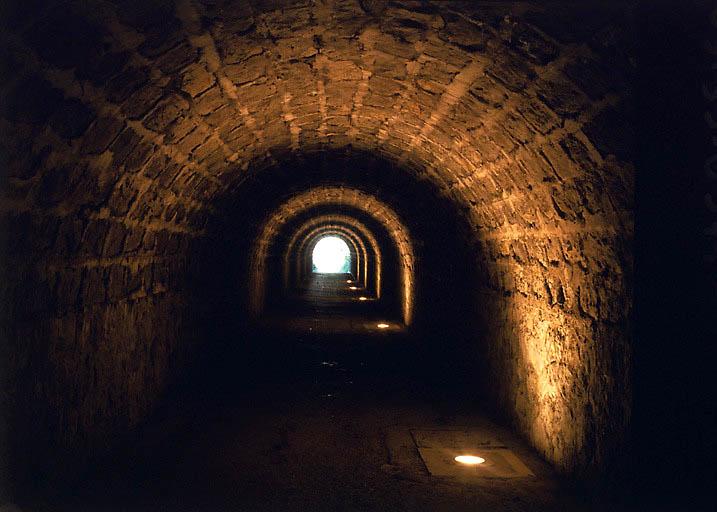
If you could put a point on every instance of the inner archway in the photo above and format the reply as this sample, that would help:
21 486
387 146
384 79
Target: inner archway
331 255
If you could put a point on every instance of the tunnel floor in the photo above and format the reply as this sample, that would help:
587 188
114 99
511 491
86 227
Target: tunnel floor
317 429
310 420
331 304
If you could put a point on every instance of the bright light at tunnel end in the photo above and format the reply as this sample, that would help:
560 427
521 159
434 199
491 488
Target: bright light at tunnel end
331 256
469 460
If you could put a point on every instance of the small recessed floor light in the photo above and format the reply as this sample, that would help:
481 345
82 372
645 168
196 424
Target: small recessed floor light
363 298
382 326
469 460
353 288
349 281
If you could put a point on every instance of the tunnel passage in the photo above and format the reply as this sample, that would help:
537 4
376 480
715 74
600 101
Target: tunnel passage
301 258
335 199
368 262
150 146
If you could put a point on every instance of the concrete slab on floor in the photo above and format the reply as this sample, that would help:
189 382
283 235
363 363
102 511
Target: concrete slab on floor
418 453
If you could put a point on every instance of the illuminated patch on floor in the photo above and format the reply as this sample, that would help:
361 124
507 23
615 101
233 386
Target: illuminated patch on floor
439 449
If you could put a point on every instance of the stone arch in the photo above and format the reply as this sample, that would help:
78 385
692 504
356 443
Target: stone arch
339 197
364 238
302 254
118 152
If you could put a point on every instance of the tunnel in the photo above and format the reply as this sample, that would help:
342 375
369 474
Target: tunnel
175 336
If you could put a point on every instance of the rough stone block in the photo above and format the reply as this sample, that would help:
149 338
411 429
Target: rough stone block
178 130
177 58
133 239
210 101
94 236
343 70
101 134
141 154
197 80
578 153
124 146
122 198
468 36
142 101
94 185
485 91
539 117
292 48
562 98
126 83
115 240
388 44
249 70
156 164
530 42
166 113
192 140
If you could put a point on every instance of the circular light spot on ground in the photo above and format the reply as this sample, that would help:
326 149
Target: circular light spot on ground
382 326
353 288
469 460
363 298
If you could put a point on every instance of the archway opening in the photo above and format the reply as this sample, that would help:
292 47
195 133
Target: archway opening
331 255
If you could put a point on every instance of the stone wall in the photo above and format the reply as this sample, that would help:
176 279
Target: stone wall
563 371
94 335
